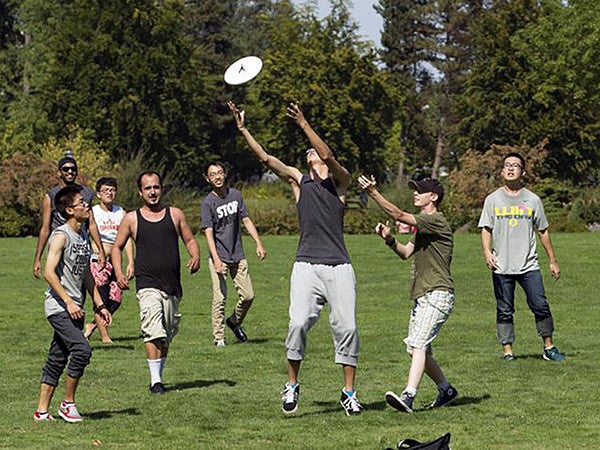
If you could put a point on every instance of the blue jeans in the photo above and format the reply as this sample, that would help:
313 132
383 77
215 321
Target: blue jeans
504 290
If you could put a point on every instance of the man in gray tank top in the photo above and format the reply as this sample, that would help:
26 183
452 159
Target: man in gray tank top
322 272
508 222
65 271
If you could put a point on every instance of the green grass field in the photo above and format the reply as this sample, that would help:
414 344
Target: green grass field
229 397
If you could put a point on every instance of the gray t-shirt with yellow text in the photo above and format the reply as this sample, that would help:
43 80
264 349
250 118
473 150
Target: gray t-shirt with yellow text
513 220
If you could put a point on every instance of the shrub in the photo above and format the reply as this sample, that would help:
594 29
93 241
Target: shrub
586 207
24 179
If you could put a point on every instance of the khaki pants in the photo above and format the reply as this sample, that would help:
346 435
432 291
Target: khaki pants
243 285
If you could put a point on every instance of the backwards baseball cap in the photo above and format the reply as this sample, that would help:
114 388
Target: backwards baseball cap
66 160
428 185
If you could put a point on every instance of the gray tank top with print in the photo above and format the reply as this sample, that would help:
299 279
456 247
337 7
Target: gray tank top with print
71 269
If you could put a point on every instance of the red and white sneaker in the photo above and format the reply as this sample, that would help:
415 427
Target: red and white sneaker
43 417
69 413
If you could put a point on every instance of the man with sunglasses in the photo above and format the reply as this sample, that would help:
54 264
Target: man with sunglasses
508 222
51 218
322 272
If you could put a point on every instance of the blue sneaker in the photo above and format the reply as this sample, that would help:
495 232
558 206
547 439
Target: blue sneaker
552 354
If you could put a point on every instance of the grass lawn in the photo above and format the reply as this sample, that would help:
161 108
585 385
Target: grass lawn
229 397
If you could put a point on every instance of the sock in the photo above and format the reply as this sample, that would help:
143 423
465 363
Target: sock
444 385
154 366
410 391
349 393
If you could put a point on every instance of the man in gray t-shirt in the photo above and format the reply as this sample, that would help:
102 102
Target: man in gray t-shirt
510 217
222 212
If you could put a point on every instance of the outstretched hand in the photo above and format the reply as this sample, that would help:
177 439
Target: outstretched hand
238 114
367 183
294 112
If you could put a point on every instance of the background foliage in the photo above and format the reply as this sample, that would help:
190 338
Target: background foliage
453 83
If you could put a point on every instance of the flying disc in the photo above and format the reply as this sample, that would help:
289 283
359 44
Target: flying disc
243 70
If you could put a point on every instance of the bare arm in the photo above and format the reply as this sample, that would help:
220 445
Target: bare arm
55 250
403 251
340 175
95 235
185 232
286 173
369 185
43 236
547 244
123 235
260 249
212 249
100 308
486 245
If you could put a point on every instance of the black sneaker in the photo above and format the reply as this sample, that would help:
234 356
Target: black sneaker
403 403
157 388
289 396
350 404
239 332
509 357
444 398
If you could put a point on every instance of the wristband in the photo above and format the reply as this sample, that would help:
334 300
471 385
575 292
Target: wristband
390 242
99 308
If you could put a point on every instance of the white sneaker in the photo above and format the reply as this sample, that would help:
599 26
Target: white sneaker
220 343
68 411
289 396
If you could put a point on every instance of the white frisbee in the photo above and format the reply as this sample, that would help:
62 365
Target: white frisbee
243 70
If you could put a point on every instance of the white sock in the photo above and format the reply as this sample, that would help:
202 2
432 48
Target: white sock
411 391
154 366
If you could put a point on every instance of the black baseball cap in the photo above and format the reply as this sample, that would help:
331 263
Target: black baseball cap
428 185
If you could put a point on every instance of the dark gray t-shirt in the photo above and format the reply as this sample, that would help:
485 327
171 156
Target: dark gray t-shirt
223 215
321 217
513 220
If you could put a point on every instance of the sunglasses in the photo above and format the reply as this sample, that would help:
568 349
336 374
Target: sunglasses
67 169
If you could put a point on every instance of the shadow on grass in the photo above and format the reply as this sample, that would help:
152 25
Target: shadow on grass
109 413
253 341
100 346
198 384
127 338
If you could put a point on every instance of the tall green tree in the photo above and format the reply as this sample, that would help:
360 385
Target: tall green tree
334 77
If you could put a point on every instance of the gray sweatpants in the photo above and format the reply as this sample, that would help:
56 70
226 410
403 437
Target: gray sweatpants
311 286
68 346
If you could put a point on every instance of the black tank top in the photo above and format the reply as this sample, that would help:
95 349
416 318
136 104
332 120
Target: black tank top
157 262
321 217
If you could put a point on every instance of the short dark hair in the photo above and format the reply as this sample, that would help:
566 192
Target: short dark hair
65 198
106 181
148 172
214 163
515 155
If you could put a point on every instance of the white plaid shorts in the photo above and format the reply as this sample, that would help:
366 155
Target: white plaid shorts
428 315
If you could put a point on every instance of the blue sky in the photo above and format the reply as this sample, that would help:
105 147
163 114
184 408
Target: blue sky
363 13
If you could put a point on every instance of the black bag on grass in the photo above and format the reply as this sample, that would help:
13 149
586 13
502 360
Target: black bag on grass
441 443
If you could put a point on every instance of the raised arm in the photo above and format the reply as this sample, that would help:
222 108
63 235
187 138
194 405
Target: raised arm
369 185
340 175
286 173
43 236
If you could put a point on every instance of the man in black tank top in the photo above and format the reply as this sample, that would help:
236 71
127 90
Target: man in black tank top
322 271
156 229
